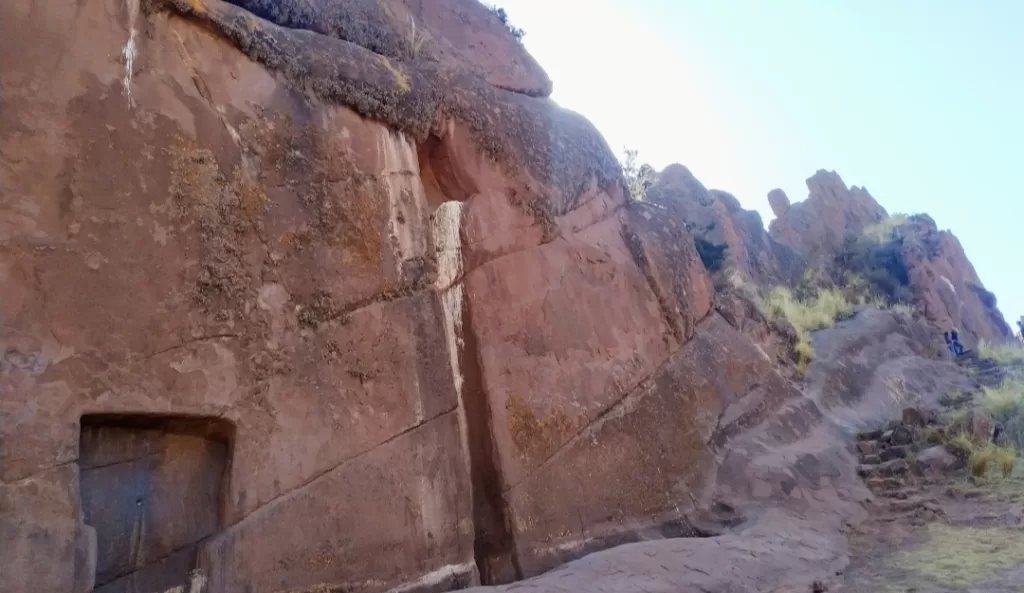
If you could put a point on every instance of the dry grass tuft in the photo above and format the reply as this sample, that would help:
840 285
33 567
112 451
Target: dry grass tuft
1009 354
961 557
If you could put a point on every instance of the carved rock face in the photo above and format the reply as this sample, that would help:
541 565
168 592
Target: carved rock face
385 318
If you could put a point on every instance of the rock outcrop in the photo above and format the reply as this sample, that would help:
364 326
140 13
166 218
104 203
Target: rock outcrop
716 220
945 284
929 263
832 213
304 296
386 317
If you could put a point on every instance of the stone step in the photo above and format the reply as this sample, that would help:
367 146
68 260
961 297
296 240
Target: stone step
868 447
886 485
897 452
903 493
888 468
869 459
911 504
872 435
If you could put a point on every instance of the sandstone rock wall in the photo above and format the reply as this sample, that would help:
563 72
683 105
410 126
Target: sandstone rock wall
341 274
946 285
424 338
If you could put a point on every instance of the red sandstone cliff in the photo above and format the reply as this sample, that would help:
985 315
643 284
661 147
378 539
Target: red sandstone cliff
334 298
932 264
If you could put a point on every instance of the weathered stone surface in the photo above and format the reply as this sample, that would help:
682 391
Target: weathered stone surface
868 447
896 452
658 440
716 218
892 467
946 286
779 202
930 264
377 519
564 330
46 546
936 460
918 417
832 213
459 33
664 251
418 333
238 251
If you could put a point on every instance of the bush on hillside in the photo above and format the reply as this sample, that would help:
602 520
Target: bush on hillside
638 178
1005 404
516 32
871 265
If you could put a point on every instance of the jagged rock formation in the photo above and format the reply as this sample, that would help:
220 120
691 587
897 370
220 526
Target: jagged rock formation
931 263
328 295
945 284
818 226
715 218
815 234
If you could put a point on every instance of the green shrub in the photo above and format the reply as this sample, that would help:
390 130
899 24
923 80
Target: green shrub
1006 406
903 309
872 264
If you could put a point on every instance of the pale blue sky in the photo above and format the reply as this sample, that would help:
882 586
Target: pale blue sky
922 102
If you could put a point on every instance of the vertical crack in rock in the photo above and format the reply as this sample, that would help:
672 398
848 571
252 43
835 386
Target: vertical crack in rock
494 548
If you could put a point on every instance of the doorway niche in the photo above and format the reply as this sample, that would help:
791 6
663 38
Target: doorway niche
152 486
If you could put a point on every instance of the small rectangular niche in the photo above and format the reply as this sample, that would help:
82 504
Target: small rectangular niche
152 487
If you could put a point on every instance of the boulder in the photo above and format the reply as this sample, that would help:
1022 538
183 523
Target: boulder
868 447
918 417
779 202
936 459
895 452
902 435
945 284
893 467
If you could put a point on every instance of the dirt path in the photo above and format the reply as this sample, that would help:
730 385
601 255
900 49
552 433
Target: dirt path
945 537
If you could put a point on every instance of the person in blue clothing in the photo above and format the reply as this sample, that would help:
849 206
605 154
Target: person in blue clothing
949 343
955 346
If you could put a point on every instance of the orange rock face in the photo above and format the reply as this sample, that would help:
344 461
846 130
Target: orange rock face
818 226
946 285
305 296
324 312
